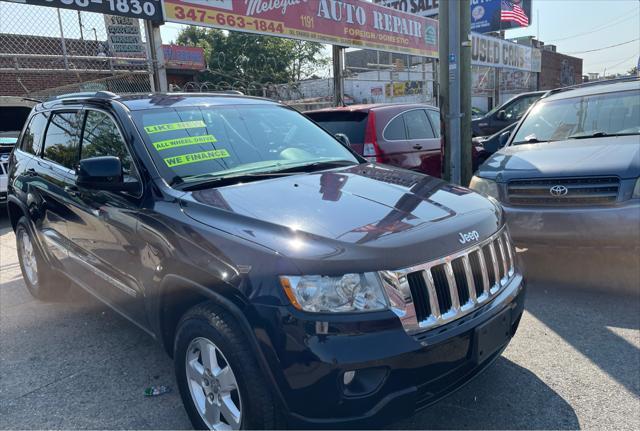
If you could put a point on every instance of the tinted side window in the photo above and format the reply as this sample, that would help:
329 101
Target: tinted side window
434 116
102 137
395 130
61 141
32 139
418 126
519 107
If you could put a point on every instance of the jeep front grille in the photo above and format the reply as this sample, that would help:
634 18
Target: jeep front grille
570 191
453 286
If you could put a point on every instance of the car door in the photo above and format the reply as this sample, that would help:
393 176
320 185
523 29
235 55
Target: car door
423 141
51 181
105 249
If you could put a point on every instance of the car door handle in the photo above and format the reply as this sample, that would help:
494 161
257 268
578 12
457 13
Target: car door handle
72 190
417 147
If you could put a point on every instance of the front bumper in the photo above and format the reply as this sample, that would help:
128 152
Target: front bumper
400 373
597 226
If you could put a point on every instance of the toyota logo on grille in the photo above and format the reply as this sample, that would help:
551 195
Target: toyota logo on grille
558 191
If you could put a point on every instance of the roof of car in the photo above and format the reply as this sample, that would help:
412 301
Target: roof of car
605 87
143 101
371 106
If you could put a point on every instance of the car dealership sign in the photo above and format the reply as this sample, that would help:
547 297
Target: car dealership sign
353 23
143 9
494 52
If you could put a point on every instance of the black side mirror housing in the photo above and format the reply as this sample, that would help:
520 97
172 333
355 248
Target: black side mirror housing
501 115
102 173
504 138
344 139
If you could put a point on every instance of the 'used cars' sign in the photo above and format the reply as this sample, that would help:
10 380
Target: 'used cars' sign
347 23
494 52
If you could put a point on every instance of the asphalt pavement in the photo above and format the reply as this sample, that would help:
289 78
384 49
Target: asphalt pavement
574 363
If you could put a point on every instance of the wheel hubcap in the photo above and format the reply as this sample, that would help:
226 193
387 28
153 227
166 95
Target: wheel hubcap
28 258
213 386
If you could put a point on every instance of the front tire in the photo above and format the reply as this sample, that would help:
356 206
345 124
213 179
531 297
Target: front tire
220 382
42 282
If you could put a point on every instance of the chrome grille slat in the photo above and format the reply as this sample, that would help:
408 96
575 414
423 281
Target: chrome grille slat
450 283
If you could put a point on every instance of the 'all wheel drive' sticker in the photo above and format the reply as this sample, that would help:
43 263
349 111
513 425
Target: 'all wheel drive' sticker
183 142
174 126
203 156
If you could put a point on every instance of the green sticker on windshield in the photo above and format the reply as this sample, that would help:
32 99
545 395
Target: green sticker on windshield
203 156
183 142
174 126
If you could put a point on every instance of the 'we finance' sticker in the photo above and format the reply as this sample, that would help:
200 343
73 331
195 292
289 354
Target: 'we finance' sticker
203 156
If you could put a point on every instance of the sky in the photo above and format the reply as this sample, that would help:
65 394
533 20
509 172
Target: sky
574 26
581 25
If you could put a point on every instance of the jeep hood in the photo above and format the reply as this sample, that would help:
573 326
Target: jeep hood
585 157
366 217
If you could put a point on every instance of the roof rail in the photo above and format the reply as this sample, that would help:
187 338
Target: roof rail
593 83
86 95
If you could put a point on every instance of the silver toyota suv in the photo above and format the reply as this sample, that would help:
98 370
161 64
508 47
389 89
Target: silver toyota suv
569 173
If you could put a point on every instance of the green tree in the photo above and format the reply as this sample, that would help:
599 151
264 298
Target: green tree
248 59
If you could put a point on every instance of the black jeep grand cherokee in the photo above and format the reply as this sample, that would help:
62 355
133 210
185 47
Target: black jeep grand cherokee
293 283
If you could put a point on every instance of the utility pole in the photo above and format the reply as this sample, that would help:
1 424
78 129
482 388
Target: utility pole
466 161
443 88
338 78
455 88
156 57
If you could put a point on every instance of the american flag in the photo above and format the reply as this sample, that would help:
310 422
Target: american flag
513 12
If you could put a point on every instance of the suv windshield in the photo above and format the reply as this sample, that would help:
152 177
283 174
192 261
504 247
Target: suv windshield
189 144
598 115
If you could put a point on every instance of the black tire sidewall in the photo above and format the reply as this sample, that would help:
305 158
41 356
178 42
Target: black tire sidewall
196 327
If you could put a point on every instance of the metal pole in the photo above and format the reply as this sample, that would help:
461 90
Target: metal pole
64 45
443 88
338 77
80 25
454 91
465 92
156 56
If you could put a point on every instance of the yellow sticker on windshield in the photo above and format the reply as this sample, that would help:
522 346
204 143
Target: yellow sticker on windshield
183 142
174 126
203 156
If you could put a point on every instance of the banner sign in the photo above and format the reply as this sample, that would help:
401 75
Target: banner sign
183 57
496 15
417 7
494 52
353 23
123 37
143 9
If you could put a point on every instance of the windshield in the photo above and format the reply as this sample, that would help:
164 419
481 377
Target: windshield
217 141
595 115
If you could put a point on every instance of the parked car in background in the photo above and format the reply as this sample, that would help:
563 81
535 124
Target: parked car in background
502 116
485 146
293 283
477 113
13 113
570 174
403 135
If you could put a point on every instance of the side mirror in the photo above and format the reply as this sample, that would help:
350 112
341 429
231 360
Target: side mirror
102 173
344 139
504 138
501 115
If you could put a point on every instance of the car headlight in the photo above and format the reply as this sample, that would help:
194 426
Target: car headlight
636 189
484 186
347 293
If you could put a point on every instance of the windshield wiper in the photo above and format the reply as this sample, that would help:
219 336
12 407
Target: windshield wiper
314 166
530 140
598 134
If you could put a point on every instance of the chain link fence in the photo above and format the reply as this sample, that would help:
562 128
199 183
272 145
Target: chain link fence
47 50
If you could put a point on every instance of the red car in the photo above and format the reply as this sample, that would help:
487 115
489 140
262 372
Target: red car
403 135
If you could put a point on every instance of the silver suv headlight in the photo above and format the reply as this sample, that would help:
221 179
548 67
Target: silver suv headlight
484 186
347 293
636 190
